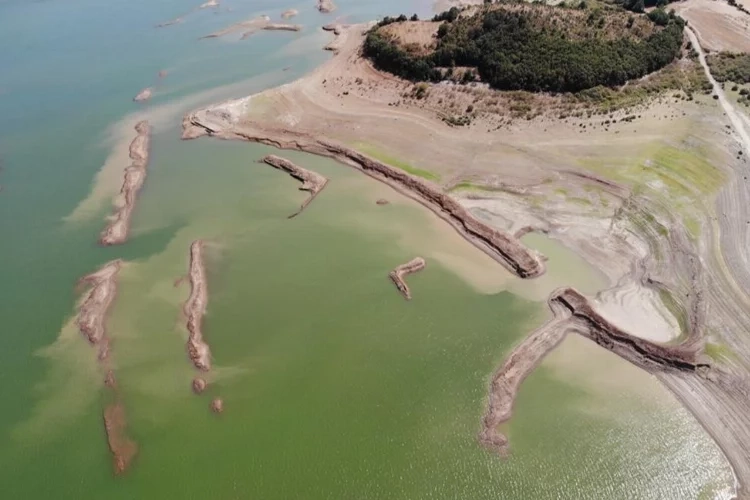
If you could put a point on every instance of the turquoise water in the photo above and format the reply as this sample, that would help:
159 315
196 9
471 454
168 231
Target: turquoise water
334 386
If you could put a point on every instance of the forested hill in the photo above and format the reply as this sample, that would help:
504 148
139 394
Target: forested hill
520 46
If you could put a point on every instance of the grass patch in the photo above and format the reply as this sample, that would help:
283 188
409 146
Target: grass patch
718 352
379 155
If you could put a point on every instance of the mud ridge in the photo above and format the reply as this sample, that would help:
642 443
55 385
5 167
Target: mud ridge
195 308
503 247
123 448
398 274
311 181
117 230
573 313
91 319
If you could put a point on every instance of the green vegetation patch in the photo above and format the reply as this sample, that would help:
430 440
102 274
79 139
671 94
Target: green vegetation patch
379 155
518 46
729 66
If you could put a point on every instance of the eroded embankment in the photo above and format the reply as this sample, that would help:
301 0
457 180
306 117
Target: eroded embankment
398 275
311 181
574 313
195 308
117 230
91 319
503 247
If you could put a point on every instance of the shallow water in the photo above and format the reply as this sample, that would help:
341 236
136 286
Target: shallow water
334 386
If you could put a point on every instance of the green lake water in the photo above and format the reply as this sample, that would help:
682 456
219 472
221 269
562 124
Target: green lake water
334 386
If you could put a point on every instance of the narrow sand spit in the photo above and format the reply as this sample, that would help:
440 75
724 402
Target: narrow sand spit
271 27
289 13
123 448
574 313
248 26
117 230
507 250
398 274
326 6
91 322
144 95
195 308
311 181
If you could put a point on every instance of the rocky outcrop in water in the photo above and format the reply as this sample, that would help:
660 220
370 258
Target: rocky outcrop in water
217 405
398 274
311 181
117 230
289 13
144 95
326 6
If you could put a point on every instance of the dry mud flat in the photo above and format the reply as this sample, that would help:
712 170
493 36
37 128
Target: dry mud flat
117 230
721 26
91 320
398 275
311 181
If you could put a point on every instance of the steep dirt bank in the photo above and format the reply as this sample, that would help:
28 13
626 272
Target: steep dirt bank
117 230
195 308
91 319
398 275
503 247
311 181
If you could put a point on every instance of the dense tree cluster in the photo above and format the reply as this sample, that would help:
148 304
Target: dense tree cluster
642 5
511 52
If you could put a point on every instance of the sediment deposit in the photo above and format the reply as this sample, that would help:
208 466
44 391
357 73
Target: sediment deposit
311 181
195 308
289 13
398 275
123 448
117 230
326 6
144 95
